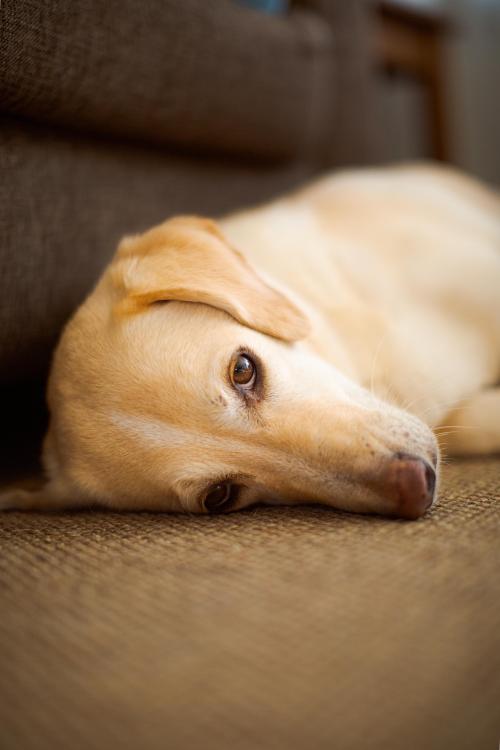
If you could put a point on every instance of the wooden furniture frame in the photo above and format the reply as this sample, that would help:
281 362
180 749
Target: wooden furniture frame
410 42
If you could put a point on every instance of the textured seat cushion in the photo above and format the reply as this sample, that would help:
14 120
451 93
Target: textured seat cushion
212 76
271 629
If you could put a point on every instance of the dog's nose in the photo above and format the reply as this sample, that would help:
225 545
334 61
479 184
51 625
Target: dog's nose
413 482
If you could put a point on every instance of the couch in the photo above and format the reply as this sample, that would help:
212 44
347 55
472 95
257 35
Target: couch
273 628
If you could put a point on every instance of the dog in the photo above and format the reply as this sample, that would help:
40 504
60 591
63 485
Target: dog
306 351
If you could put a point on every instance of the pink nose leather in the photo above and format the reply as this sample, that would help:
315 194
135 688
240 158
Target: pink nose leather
412 482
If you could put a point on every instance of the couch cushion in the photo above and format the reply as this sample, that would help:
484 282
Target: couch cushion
215 76
272 629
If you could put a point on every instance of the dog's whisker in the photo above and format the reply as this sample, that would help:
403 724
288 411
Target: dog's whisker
375 358
455 427
455 404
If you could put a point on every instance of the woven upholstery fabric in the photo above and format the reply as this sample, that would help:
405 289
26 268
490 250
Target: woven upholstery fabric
276 628
214 76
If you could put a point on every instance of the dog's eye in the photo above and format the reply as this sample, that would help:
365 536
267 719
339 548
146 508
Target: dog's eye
243 372
220 497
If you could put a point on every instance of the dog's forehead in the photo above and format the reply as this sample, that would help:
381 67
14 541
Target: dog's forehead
159 376
188 345
169 363
178 332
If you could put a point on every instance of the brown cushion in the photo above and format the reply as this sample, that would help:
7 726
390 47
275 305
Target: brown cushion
276 629
215 76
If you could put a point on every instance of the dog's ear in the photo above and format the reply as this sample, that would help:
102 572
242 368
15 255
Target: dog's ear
188 259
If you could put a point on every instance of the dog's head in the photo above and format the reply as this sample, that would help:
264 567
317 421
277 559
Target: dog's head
186 382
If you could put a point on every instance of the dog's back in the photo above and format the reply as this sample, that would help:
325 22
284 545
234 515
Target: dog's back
402 264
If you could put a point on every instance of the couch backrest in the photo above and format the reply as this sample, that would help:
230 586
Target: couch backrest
213 77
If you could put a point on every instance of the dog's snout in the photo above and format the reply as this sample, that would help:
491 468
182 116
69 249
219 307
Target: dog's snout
413 481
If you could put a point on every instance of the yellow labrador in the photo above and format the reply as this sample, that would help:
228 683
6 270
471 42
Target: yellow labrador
297 352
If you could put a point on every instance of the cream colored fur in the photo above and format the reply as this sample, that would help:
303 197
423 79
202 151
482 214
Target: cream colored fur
372 300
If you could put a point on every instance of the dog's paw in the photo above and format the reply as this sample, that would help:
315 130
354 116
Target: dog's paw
29 494
16 498
38 495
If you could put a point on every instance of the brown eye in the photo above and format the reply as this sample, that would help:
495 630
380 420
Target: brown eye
243 372
220 497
